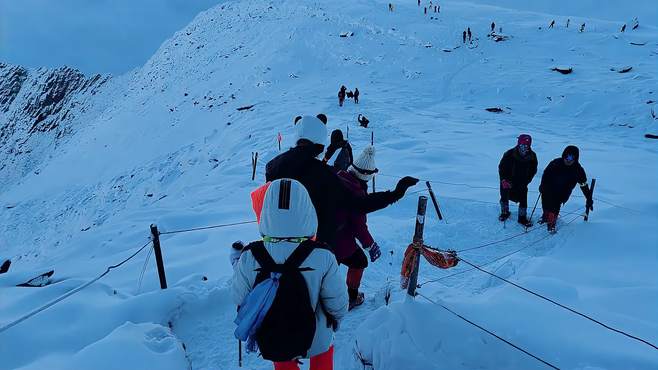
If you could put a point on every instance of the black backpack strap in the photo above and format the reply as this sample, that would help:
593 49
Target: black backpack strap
262 256
301 253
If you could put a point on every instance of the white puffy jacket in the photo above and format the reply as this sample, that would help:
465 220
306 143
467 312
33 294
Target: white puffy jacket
325 285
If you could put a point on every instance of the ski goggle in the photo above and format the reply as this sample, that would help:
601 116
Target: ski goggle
569 159
523 148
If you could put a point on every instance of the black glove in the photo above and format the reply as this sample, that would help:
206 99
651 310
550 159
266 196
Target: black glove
404 184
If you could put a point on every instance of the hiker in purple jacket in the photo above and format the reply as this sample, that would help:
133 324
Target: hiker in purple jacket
352 226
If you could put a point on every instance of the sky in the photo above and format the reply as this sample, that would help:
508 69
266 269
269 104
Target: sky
94 36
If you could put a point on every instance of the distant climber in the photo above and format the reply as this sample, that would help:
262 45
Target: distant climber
464 37
425 10
356 95
363 121
344 158
341 95
623 28
349 94
582 27
557 183
390 7
468 31
352 226
568 21
493 27
552 24
516 170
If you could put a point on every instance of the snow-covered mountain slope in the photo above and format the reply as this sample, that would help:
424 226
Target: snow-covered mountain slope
168 145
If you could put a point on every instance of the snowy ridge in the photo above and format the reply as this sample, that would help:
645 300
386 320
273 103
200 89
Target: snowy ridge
167 145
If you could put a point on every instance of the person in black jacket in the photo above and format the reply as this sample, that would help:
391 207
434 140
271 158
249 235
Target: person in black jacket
325 188
558 181
344 158
516 169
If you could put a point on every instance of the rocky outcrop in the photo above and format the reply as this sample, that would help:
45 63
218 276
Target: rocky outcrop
42 100
39 108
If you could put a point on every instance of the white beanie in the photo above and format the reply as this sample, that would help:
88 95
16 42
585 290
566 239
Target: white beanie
365 162
287 211
312 129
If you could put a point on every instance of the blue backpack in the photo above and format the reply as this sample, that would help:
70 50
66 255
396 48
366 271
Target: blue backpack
276 317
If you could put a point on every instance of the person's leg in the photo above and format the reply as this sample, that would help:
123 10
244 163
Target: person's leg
323 361
356 264
522 197
504 204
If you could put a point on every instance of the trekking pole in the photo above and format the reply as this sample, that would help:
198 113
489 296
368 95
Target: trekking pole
533 210
591 196
372 142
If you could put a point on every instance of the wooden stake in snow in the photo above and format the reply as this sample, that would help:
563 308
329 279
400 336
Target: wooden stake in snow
254 162
158 256
418 243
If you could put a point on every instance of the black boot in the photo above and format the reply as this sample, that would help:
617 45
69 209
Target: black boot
523 219
504 211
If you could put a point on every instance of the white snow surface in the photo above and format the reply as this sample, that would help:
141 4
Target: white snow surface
171 149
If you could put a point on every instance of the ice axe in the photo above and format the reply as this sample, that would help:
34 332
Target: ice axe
591 196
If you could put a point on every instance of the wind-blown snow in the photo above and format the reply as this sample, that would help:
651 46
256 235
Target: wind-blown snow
172 149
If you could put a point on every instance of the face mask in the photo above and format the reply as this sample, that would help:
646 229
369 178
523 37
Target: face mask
523 149
569 160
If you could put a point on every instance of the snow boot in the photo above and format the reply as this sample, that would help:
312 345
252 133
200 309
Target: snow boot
504 211
358 299
523 217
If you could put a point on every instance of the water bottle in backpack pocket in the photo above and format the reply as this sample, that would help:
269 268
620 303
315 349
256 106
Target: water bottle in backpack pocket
276 317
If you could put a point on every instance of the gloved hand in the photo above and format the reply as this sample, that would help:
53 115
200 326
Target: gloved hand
331 149
506 184
236 251
589 204
404 184
374 252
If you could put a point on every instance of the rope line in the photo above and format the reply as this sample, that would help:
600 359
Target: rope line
71 292
490 333
498 258
141 275
206 227
496 188
560 305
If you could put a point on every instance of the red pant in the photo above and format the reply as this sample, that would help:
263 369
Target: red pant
323 361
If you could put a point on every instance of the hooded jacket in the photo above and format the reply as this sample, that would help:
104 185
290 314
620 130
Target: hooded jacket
559 180
517 169
325 188
351 224
326 287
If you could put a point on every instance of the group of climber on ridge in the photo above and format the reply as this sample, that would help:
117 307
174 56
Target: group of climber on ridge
518 167
312 217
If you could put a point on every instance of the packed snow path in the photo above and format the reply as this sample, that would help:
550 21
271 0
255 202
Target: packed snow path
172 149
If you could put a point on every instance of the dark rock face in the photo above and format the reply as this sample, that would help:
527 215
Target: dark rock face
41 101
11 80
39 108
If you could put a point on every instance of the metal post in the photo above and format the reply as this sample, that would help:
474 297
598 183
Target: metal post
418 243
158 256
436 204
